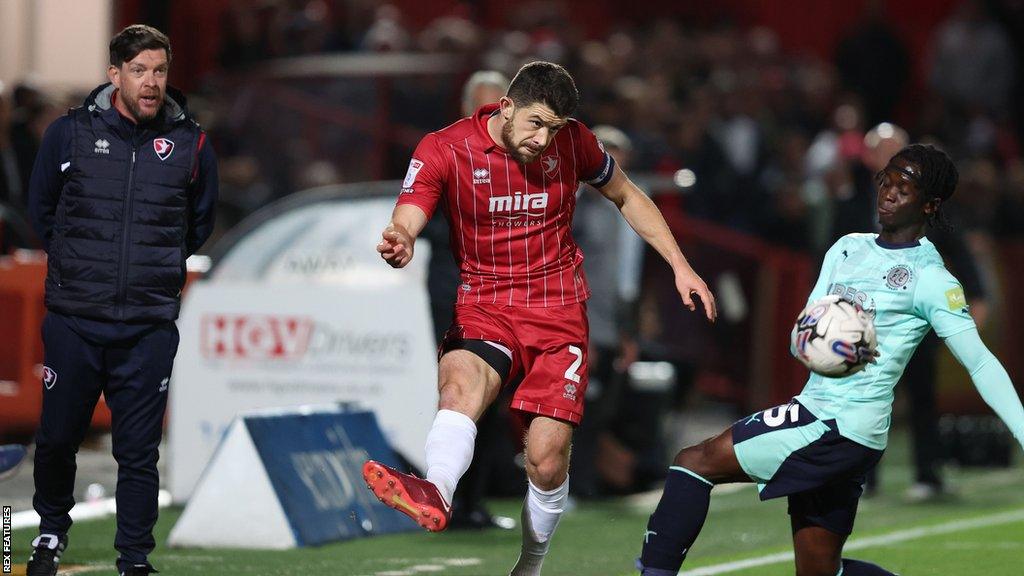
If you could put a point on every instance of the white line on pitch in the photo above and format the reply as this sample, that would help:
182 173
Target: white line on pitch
81 511
868 542
431 568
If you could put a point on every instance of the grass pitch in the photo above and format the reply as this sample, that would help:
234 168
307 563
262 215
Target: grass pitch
979 530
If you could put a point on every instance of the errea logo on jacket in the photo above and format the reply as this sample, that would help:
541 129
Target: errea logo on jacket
102 147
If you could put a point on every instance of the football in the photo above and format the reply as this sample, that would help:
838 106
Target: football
834 337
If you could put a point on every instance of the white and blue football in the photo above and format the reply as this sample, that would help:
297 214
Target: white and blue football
834 337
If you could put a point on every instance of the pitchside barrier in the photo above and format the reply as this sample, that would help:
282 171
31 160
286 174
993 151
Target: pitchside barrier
286 478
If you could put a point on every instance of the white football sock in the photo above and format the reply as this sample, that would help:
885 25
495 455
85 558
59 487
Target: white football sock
541 513
449 450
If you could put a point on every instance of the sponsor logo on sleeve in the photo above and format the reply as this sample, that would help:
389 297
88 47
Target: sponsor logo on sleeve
955 298
410 175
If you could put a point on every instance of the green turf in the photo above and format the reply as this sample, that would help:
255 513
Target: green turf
995 550
603 538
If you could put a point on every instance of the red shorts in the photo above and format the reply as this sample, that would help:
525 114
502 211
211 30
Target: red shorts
549 352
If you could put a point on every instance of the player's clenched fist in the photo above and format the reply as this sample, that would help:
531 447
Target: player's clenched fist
395 246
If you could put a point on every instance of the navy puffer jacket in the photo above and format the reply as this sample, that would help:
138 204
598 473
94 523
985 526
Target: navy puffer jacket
117 245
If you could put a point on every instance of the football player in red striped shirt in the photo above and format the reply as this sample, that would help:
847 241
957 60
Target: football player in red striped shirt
506 178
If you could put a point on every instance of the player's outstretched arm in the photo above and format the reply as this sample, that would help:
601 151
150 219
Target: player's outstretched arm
396 245
990 378
643 215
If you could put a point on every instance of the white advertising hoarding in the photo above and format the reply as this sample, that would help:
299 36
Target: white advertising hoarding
258 346
302 310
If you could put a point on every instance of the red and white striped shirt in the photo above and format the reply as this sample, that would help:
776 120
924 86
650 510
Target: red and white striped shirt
510 222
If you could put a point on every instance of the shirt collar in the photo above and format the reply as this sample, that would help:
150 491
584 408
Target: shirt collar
480 118
896 245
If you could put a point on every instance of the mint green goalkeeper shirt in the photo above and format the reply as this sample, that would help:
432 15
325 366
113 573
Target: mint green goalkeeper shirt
909 292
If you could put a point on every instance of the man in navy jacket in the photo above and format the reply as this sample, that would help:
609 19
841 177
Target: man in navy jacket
122 192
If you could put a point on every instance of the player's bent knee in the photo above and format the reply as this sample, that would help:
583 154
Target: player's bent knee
458 388
465 397
696 458
706 460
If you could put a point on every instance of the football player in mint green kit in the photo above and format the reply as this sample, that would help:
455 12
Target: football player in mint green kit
816 449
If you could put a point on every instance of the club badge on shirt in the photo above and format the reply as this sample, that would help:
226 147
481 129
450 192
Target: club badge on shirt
163 148
898 277
49 377
550 164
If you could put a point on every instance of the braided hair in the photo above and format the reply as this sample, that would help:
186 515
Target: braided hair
938 178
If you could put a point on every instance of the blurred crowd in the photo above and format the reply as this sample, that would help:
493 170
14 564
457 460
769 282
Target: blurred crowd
774 142
25 112
771 143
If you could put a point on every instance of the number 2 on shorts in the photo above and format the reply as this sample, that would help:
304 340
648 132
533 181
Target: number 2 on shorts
571 374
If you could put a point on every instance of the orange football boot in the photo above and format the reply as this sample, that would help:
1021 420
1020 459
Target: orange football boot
415 497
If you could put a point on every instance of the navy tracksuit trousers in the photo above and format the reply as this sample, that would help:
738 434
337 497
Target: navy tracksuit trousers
131 366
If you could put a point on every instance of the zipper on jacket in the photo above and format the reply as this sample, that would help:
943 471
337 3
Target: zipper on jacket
122 284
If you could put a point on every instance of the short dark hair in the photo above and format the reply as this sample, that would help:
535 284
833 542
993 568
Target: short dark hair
547 83
939 175
134 39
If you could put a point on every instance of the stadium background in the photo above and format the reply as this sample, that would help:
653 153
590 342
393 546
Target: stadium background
747 122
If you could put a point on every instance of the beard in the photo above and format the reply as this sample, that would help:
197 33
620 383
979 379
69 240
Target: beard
515 150
142 116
